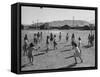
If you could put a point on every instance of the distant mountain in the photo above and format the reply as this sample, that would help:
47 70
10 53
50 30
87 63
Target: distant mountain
69 22
65 24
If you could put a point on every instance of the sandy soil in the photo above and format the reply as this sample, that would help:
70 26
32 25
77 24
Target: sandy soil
58 58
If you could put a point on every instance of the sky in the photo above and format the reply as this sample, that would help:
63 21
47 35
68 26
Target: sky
30 15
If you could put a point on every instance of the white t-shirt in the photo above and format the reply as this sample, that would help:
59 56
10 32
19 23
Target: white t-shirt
26 41
77 50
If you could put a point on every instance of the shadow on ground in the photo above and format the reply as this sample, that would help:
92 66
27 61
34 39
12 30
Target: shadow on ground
87 46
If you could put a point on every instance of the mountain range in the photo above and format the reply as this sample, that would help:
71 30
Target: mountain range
61 24
71 23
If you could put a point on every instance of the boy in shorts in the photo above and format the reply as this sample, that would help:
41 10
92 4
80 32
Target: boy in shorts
77 53
30 55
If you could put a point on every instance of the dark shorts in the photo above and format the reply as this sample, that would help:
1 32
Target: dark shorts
77 54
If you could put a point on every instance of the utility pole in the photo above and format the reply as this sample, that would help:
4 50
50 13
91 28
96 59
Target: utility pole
73 21
37 24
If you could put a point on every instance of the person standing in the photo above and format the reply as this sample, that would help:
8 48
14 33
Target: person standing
79 43
30 55
77 53
54 42
47 43
73 37
67 37
38 37
92 40
89 37
72 40
35 40
41 36
60 36
51 38
26 42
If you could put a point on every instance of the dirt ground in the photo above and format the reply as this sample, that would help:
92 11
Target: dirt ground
62 57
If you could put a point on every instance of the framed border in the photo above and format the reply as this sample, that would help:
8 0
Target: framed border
19 5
